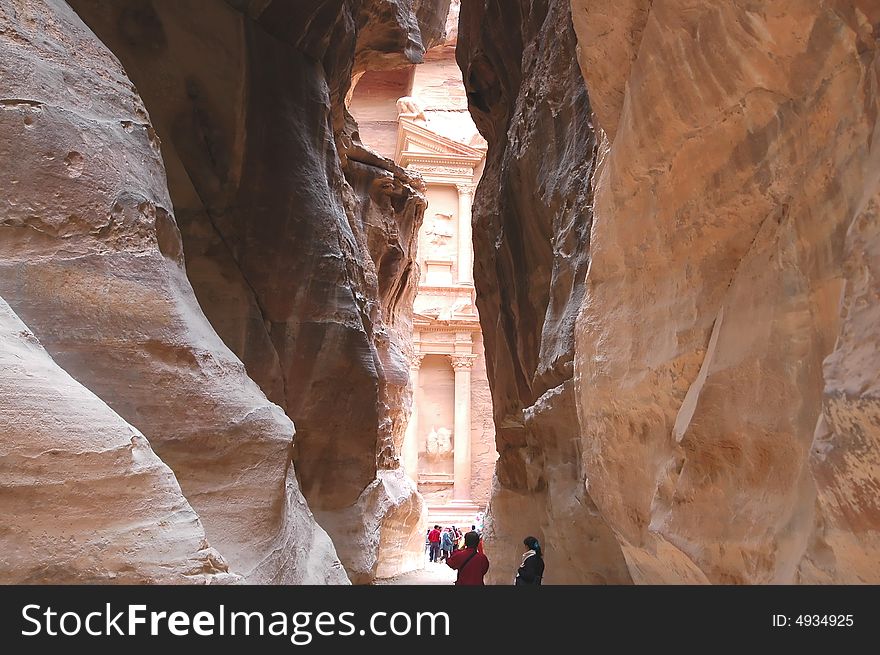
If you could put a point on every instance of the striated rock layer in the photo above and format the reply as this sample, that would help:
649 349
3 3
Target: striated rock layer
299 242
721 422
84 496
737 150
91 259
531 241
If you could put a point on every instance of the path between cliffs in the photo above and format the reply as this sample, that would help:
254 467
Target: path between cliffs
432 574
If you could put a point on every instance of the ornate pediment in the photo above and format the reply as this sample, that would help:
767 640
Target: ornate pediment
425 150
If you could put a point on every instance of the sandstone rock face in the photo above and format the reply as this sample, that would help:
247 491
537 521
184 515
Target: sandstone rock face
381 533
737 154
844 459
91 259
736 172
531 241
299 242
677 265
84 496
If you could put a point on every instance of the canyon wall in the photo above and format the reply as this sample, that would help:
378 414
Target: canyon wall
723 279
67 458
299 242
91 260
739 150
531 227
298 245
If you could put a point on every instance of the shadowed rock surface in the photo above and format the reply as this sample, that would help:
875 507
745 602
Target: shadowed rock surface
532 218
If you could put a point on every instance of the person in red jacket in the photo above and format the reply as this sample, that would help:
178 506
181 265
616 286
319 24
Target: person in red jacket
469 562
434 540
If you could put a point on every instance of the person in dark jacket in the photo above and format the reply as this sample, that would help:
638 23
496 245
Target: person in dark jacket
531 570
470 564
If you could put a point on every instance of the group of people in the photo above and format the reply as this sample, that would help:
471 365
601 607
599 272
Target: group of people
442 542
464 553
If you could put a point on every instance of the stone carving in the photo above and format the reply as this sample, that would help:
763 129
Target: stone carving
439 443
462 306
409 107
439 232
443 170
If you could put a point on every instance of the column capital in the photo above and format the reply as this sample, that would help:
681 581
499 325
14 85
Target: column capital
466 187
415 360
462 362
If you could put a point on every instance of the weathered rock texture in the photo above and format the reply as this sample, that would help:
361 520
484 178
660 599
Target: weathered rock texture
531 235
91 260
736 172
738 151
84 496
299 242
844 460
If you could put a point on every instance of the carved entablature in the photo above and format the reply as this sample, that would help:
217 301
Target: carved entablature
442 170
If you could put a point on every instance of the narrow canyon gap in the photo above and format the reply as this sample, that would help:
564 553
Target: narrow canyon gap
677 267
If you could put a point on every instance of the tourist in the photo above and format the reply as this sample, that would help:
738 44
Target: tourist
531 570
469 562
434 539
445 544
456 538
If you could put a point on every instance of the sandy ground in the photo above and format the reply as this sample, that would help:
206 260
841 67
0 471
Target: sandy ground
434 573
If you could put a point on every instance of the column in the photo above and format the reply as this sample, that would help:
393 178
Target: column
410 451
461 444
465 244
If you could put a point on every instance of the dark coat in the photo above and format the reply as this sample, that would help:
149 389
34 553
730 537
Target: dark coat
531 571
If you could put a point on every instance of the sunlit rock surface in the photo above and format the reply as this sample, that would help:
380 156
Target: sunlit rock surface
84 497
721 420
